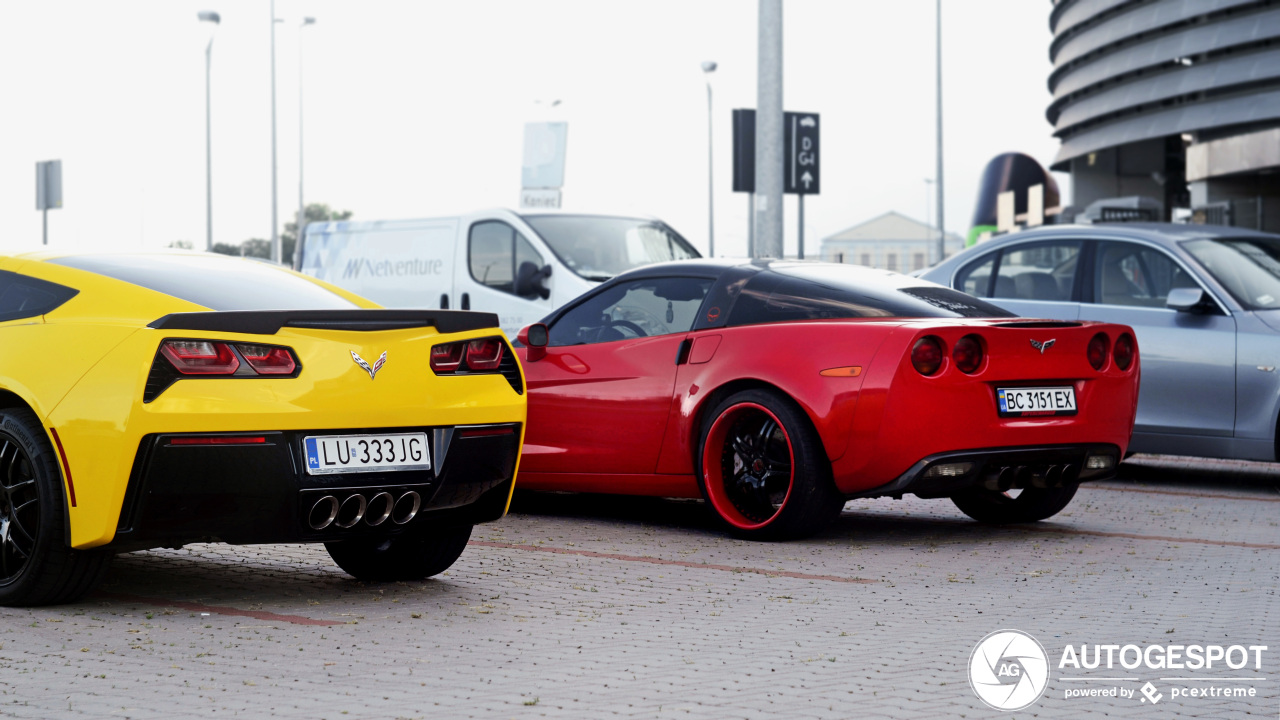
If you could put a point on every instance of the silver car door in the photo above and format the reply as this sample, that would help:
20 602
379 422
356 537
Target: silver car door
1188 359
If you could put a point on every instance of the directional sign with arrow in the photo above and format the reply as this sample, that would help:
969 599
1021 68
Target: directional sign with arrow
802 154
800 140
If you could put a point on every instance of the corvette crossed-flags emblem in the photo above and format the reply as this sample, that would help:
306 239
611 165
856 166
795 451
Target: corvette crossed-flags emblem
372 370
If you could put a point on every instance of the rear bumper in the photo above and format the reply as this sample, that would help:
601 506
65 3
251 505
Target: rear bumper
945 474
261 493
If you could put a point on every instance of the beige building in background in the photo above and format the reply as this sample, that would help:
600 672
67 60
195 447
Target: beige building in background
891 241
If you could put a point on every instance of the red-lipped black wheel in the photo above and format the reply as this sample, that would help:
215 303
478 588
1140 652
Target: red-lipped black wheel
36 565
763 469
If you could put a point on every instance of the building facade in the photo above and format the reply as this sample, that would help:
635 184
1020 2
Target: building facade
891 241
1175 100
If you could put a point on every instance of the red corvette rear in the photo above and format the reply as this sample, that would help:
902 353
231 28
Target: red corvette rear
778 391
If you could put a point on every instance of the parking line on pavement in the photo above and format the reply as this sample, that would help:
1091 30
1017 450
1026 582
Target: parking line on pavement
1182 493
220 610
679 563
1159 538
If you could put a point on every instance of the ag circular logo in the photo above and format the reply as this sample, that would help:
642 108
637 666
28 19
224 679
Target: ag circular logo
1008 670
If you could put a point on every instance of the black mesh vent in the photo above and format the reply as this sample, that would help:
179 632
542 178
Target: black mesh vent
162 375
510 369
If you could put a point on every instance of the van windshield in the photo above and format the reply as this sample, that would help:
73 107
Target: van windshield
597 247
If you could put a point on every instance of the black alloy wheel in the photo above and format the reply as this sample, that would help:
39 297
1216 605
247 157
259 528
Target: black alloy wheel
19 510
37 564
763 470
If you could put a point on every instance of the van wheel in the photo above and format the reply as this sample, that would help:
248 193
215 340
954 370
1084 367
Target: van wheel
1031 505
415 556
36 565
763 470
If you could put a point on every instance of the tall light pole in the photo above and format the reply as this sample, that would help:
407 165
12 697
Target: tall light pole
213 17
942 224
275 215
302 208
709 67
928 190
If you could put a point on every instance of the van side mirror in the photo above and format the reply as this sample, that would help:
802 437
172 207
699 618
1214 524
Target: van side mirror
534 337
532 280
1187 300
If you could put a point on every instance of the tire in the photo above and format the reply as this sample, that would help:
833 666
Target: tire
1031 505
763 470
401 557
37 567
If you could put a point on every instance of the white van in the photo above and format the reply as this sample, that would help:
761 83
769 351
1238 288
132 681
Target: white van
518 265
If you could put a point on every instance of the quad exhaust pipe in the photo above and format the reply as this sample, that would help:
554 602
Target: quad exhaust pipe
354 508
1008 477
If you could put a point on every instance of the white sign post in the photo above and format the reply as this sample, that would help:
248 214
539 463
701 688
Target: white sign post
542 172
48 190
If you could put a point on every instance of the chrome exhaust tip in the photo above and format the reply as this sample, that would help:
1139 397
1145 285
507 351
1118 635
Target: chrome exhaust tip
406 508
379 509
1020 476
1053 478
351 511
997 480
323 513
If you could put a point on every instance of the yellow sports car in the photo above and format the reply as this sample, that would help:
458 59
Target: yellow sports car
156 399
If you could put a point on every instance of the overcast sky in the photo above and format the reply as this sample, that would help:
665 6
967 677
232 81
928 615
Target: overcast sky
416 109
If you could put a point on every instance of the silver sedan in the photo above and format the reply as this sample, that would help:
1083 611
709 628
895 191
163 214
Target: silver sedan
1204 302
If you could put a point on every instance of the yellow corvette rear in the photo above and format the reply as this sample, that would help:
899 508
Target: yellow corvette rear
175 398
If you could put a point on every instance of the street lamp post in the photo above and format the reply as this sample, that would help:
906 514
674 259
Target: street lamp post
213 17
275 212
942 215
928 217
708 68
302 208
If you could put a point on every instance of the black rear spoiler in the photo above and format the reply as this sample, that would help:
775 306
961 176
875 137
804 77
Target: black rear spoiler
269 322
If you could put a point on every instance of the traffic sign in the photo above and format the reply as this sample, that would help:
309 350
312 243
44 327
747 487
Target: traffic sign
801 175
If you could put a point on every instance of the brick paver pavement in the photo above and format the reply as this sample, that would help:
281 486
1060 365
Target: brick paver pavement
602 607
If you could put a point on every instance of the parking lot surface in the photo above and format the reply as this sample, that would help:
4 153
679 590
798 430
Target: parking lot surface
582 606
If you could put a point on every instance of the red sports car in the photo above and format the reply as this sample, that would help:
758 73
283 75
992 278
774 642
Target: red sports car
779 390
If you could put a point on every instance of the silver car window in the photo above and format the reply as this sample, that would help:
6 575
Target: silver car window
1249 268
1136 275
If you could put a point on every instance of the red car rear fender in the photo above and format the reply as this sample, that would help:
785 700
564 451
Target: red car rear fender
787 357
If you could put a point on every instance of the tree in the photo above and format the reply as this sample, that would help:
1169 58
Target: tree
259 248
315 212
181 244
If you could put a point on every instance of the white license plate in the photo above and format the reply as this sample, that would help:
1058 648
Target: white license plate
366 453
1022 402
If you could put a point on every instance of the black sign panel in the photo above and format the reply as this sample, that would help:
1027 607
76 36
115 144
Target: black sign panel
800 154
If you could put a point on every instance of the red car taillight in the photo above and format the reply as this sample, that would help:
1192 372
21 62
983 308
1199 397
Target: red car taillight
926 355
267 359
1098 350
200 357
483 355
1124 351
967 353
447 358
